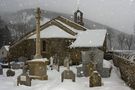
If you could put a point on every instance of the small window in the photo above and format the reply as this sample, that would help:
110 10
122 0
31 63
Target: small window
44 45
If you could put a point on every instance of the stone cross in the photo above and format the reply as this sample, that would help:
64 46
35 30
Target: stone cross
38 47
68 67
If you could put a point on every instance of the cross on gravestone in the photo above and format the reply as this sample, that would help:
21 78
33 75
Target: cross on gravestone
68 67
68 74
24 79
65 61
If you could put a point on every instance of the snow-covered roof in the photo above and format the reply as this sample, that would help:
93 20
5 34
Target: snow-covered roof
6 47
71 28
53 31
90 38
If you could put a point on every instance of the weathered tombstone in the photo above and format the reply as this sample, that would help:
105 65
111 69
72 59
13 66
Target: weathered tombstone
1 70
95 79
107 67
24 79
94 56
79 72
68 74
15 66
10 73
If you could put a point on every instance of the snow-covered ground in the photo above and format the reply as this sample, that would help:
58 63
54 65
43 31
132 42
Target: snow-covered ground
54 82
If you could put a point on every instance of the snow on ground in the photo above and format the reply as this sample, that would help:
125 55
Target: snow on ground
54 82
107 64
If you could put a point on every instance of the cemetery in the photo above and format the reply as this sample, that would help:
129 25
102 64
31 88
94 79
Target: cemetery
69 57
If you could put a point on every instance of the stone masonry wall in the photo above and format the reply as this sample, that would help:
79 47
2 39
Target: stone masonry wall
127 70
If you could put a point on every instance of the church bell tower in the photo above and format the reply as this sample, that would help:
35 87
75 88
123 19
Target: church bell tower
78 17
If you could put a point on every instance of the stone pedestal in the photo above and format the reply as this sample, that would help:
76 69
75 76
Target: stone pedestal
68 74
38 69
95 79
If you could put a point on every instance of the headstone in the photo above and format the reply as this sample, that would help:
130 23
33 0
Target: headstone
67 74
106 72
95 79
16 66
10 73
107 67
79 72
24 79
94 56
1 70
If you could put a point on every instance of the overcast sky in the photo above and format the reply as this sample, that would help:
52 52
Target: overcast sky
119 14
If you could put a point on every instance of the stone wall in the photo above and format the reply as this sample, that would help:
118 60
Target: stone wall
127 70
53 46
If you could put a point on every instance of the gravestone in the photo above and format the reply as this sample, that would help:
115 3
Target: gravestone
68 74
24 79
95 79
17 65
94 56
1 70
10 73
79 72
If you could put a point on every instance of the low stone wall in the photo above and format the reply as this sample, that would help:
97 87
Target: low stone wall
127 70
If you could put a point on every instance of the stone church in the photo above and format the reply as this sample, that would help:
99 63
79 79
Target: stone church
56 37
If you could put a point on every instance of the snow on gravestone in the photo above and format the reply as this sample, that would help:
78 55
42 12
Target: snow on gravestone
95 79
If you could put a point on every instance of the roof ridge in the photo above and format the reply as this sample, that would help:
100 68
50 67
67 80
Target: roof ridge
71 22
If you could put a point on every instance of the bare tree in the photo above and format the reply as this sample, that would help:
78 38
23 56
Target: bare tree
129 41
121 40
